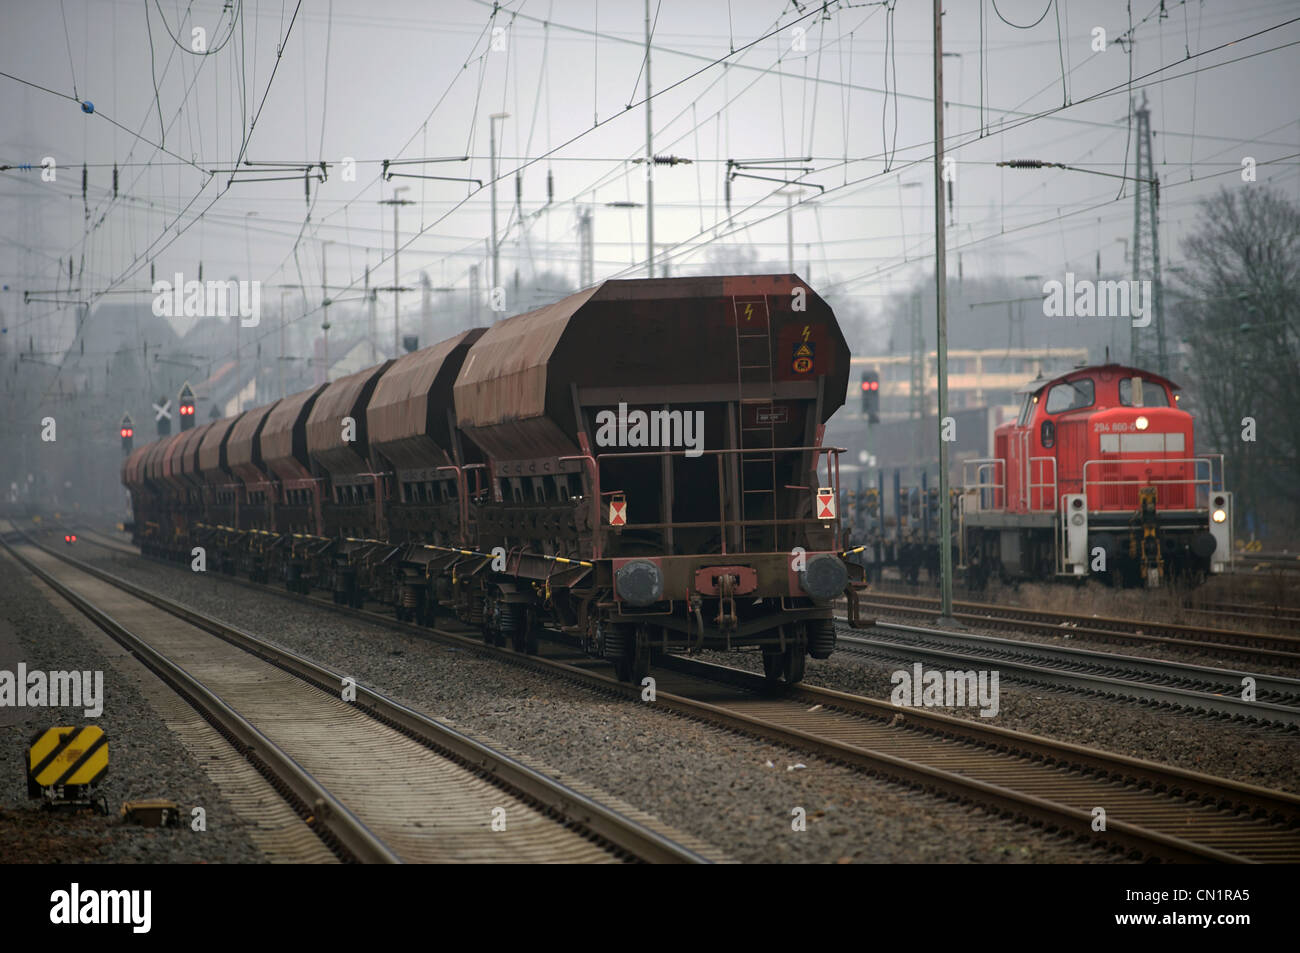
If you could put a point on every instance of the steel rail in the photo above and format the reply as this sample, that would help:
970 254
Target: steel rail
1283 648
901 640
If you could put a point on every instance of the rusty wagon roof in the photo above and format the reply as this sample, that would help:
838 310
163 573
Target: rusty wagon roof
212 450
244 449
345 397
284 436
180 455
190 459
504 376
153 463
673 338
407 414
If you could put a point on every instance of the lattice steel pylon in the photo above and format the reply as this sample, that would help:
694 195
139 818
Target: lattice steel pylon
1146 249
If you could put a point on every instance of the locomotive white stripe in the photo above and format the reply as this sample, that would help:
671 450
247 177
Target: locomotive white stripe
1142 443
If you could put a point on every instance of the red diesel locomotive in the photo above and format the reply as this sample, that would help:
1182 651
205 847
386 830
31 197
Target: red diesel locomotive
639 464
1098 475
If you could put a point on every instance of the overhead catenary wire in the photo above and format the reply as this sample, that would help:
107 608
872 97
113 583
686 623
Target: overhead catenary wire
557 157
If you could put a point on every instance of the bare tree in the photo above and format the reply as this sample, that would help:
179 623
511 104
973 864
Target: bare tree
1241 322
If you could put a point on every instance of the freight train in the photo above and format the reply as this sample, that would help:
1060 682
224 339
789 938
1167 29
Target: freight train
1097 476
639 465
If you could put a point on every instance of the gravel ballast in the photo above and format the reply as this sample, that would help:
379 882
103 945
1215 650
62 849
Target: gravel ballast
734 792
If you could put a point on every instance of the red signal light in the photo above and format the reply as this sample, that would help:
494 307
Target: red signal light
74 537
866 385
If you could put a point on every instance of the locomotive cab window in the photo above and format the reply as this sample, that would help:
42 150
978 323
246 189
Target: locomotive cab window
1026 411
1147 394
1072 395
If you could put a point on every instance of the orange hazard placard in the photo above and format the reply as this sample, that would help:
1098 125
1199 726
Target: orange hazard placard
618 512
825 503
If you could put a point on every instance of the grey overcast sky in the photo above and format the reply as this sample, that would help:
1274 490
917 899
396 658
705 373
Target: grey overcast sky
844 91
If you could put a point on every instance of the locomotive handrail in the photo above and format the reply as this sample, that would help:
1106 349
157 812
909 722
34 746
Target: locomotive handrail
983 464
1023 438
1209 459
1031 486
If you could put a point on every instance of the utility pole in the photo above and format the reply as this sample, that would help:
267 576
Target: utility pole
397 283
282 323
426 310
370 313
917 409
649 160
473 295
496 246
325 307
1146 225
789 231
248 262
586 255
941 308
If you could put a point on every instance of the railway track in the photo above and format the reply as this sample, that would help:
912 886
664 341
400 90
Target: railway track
1283 649
375 780
1150 810
1195 688
1270 609
1244 613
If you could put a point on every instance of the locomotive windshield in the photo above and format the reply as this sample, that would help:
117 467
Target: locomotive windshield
1072 395
1152 394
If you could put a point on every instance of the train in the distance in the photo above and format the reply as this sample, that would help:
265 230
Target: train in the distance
1097 476
639 464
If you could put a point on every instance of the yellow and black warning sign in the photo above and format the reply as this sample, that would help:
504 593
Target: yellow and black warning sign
803 356
66 756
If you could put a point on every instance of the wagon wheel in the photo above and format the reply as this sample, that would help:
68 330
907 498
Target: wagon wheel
794 660
639 655
617 648
794 657
532 630
519 635
773 666
488 624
